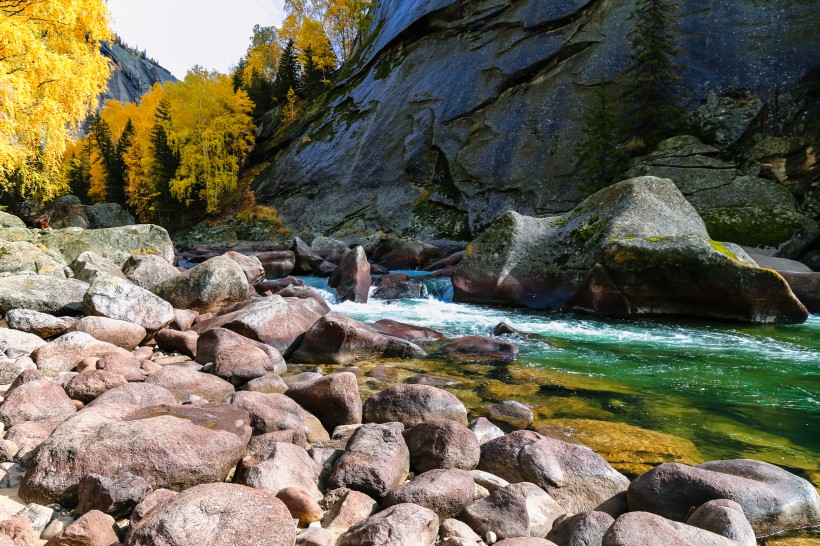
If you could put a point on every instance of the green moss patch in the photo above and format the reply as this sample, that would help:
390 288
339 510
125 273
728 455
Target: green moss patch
752 226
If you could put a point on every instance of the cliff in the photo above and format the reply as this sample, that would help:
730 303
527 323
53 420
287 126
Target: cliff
133 74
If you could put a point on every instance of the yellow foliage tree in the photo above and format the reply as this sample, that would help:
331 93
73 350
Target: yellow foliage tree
51 72
214 132
341 20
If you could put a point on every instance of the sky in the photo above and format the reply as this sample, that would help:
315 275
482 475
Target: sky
182 33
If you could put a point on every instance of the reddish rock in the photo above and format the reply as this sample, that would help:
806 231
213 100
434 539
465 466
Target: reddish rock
135 394
279 467
274 286
269 384
346 508
209 287
405 524
351 278
450 261
177 341
413 404
90 384
251 265
406 331
183 382
116 332
130 368
272 412
91 529
307 261
334 399
184 319
632 529
18 531
239 364
40 400
480 349
301 505
158 497
442 444
583 528
396 254
445 492
518 510
29 435
64 353
115 497
376 460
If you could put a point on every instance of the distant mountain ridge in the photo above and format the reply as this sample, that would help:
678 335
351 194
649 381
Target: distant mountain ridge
134 74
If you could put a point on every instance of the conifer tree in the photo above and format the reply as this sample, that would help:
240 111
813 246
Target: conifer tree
287 73
117 178
601 154
313 79
164 163
651 78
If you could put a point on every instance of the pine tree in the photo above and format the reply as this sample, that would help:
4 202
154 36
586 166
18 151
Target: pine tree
601 155
260 91
287 74
117 178
652 82
165 162
314 77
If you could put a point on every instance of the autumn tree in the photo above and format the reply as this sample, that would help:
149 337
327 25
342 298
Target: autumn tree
651 80
164 162
342 20
51 73
601 154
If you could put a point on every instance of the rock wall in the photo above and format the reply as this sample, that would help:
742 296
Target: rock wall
456 111
132 76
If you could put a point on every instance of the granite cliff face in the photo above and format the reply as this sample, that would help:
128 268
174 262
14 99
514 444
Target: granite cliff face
132 76
455 111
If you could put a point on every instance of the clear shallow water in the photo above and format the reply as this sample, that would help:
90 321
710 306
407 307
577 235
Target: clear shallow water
733 390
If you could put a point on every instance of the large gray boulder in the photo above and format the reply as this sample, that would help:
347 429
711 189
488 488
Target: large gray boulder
635 248
118 299
53 295
113 243
10 221
90 266
21 257
108 215
209 287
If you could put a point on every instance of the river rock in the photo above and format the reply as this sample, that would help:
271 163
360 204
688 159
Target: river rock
512 413
209 287
269 384
375 461
773 499
89 384
725 518
10 221
457 533
110 440
91 529
17 340
525 541
281 466
41 400
121 333
301 505
334 399
21 257
29 435
135 394
445 492
18 371
346 508
413 404
241 363
52 295
326 246
407 332
277 264
213 342
396 253
158 497
485 430
632 529
518 510
90 266
351 278
18 530
112 243
397 286
214 515
338 339
149 270
582 529
183 382
108 215
442 444
307 260
480 349
117 497
405 524
37 323
622 253
275 321
573 475
120 300
178 342
67 351
272 412
253 268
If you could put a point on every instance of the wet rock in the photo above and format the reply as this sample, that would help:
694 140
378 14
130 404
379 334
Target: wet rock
351 278
214 515
396 254
301 505
121 333
518 510
251 265
334 399
583 529
119 299
572 474
91 529
413 404
40 324
485 430
442 444
307 260
41 400
117 497
51 295
340 340
272 412
633 528
512 413
209 287
183 382
397 286
445 492
725 518
406 331
144 441
269 384
406 524
376 460
67 351
89 266
281 466
90 384
772 498
480 349
149 270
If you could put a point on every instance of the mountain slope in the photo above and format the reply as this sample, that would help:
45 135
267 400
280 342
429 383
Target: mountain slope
133 75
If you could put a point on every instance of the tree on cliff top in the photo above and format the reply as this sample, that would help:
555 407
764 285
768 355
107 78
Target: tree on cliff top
601 154
651 80
51 73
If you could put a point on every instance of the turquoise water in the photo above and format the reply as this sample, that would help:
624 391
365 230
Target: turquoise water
733 390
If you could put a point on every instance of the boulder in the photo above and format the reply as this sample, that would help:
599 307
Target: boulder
525 541
518 510
29 435
19 341
336 339
450 261
307 260
725 518
301 505
269 384
178 342
582 529
112 243
209 287
10 221
773 499
130 368
445 492
90 266
512 413
67 211
632 529
375 461
149 270
158 497
21 257
117 497
120 300
346 508
240 363
326 246
91 529
407 332
272 412
89 384
278 264
480 349
806 286
396 254
442 444
213 342
405 524
457 533
413 404
64 353
627 250
52 295
125 334
251 265
183 382
334 399
281 466
34 322
17 531
351 278
108 215
135 394
214 515
40 400
110 440
11 370
397 286
572 474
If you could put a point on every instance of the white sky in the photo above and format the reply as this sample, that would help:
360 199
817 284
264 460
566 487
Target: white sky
182 33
